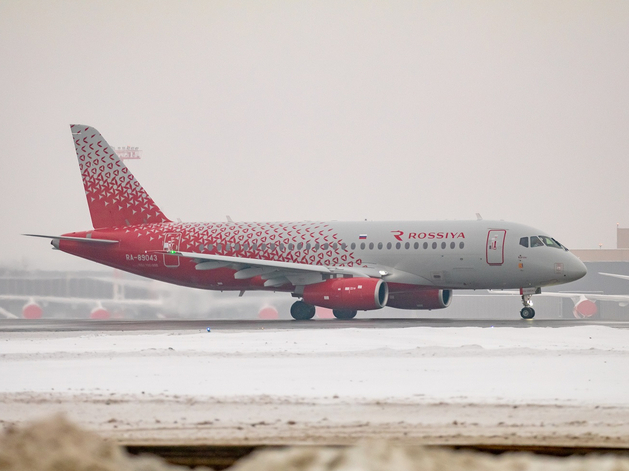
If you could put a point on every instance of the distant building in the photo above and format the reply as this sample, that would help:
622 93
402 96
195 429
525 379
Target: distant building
619 254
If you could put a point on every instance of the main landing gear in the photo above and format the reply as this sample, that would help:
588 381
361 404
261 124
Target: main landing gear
527 311
302 311
344 313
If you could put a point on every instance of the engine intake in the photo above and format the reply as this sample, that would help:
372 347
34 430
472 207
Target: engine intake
359 294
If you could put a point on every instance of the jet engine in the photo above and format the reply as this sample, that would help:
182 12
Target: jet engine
32 310
100 313
584 309
420 299
358 294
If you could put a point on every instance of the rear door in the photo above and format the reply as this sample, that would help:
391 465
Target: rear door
495 246
171 244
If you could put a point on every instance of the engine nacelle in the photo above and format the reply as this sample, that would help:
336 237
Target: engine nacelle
420 299
100 313
32 310
358 294
584 309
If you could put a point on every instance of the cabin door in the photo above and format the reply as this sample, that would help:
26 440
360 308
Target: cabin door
495 246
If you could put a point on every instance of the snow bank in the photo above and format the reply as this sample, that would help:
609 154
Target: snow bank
56 444
377 456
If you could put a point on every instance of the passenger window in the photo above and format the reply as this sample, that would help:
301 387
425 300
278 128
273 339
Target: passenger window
254 246
201 247
335 245
262 246
535 242
291 246
461 245
398 245
210 247
219 247
434 245
379 245
407 245
524 241
388 245
325 246
317 246
353 246
300 246
452 245
308 246
370 245
282 247
443 245
237 247
362 246
271 246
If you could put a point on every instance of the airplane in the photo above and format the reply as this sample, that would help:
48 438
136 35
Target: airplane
343 266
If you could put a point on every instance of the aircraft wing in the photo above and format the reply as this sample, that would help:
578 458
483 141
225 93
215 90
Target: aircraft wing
277 273
622 277
622 299
74 300
6 314
618 298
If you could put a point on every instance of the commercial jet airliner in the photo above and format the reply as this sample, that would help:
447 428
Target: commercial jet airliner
344 266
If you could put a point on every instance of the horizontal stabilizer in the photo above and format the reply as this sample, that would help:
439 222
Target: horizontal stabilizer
77 239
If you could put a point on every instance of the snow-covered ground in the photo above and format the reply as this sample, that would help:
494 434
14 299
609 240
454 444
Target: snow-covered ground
337 385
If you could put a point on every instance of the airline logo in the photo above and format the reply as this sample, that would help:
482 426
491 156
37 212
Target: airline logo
428 235
362 236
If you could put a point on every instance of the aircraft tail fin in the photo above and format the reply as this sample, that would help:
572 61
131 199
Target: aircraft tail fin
114 196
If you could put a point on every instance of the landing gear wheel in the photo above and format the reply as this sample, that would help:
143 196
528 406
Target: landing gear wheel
302 311
344 313
527 313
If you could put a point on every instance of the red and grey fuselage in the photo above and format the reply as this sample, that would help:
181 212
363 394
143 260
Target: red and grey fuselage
342 265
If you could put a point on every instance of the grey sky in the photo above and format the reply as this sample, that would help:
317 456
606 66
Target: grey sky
320 110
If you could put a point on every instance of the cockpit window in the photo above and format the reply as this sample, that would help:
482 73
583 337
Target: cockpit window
524 241
536 242
550 242
561 245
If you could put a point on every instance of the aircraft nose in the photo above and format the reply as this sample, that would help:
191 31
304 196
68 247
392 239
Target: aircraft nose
575 269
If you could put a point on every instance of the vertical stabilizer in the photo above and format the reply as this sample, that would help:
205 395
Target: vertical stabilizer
114 196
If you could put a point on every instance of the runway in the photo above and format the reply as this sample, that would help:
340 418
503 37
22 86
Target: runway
89 325
429 381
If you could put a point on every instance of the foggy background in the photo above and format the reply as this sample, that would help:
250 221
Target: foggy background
275 111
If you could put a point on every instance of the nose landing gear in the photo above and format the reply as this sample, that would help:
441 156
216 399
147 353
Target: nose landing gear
527 311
